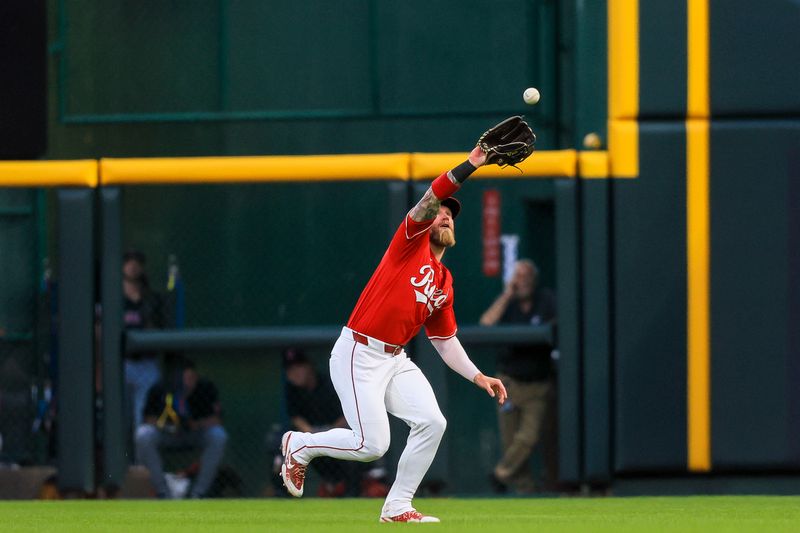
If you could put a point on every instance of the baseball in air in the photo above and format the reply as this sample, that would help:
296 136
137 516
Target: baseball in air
531 95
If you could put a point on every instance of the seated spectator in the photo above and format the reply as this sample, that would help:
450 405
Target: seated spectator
187 415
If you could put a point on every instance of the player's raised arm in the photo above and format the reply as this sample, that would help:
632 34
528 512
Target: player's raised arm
507 143
445 186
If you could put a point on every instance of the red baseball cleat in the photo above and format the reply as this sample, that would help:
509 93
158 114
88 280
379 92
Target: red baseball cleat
410 516
292 472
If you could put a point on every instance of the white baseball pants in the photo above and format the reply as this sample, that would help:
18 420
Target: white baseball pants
369 383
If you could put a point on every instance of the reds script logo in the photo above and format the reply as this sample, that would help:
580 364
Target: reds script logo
430 295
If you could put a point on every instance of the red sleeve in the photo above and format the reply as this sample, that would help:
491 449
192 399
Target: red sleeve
407 237
441 324
413 229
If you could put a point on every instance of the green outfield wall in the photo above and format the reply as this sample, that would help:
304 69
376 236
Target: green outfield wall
703 243
675 258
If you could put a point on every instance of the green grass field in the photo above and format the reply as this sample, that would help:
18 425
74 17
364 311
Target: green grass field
728 513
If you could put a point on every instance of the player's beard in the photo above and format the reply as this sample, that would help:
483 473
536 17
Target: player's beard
444 237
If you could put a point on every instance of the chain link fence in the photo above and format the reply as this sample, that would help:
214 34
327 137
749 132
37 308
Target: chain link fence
279 255
208 422
246 256
27 335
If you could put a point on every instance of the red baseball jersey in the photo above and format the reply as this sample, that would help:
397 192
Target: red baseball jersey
409 289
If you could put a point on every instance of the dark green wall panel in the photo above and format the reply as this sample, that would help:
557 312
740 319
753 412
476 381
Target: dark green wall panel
596 328
75 376
584 71
432 66
289 137
662 58
754 238
793 316
281 77
570 398
281 55
122 57
649 280
113 428
755 53
284 55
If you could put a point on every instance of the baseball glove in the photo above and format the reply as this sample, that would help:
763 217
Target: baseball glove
508 143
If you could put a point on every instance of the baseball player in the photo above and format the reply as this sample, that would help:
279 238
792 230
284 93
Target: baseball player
369 368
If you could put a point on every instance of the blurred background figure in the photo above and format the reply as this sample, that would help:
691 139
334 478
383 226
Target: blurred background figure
143 309
527 372
185 415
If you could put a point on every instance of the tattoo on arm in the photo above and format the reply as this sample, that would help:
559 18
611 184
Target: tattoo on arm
427 208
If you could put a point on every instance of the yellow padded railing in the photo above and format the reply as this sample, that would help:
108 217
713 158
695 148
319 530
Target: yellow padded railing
81 173
188 170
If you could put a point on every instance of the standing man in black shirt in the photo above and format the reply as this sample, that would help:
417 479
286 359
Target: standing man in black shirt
526 372
142 309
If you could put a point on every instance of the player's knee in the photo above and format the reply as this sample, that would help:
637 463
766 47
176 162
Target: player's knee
217 436
146 436
375 448
437 424
528 441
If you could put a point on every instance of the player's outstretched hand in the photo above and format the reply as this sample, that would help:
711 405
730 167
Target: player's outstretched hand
493 387
477 157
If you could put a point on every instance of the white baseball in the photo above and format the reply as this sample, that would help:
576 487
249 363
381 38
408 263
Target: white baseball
531 95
